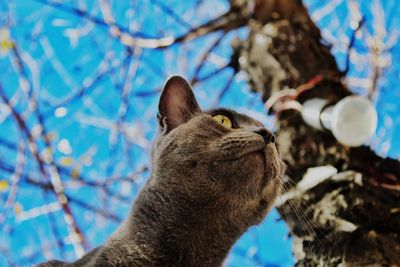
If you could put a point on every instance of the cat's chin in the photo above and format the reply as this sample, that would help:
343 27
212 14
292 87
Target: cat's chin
259 156
273 170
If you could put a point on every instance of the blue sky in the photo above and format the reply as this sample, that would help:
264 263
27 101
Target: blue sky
64 54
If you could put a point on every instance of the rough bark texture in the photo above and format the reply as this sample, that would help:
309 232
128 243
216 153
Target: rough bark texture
353 218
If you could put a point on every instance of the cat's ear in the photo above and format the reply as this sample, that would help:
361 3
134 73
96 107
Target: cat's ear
177 103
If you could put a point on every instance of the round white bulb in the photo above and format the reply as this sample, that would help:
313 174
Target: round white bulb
353 120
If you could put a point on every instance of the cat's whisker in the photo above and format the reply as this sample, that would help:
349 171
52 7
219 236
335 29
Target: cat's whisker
303 219
301 200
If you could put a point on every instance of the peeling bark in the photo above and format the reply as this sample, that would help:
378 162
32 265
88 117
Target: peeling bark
353 218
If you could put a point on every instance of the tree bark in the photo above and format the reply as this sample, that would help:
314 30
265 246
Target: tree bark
352 218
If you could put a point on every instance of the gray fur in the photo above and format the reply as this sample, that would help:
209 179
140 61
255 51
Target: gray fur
208 184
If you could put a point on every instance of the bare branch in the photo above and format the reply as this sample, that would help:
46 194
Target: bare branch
15 180
226 22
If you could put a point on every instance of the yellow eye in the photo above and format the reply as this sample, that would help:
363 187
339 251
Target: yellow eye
224 120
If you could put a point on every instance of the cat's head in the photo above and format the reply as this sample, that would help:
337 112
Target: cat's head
215 159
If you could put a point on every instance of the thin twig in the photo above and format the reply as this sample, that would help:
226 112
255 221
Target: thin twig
55 178
225 22
203 59
351 44
15 180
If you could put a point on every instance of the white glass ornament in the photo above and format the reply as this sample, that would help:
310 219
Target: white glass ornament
353 120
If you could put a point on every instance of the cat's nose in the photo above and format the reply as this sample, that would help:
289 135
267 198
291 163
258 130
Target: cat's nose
267 135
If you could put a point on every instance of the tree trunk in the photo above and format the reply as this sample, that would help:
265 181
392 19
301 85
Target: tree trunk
352 218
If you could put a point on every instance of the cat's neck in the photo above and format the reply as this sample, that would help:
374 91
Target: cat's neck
180 232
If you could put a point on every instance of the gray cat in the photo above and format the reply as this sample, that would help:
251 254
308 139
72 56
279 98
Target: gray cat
214 174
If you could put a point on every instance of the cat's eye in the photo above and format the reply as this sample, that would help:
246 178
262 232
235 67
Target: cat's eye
222 119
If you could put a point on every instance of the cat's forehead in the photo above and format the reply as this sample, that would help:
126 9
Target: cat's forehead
240 119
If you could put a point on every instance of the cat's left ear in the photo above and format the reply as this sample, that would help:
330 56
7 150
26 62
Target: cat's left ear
177 104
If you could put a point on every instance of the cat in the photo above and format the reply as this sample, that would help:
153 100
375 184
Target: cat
214 174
